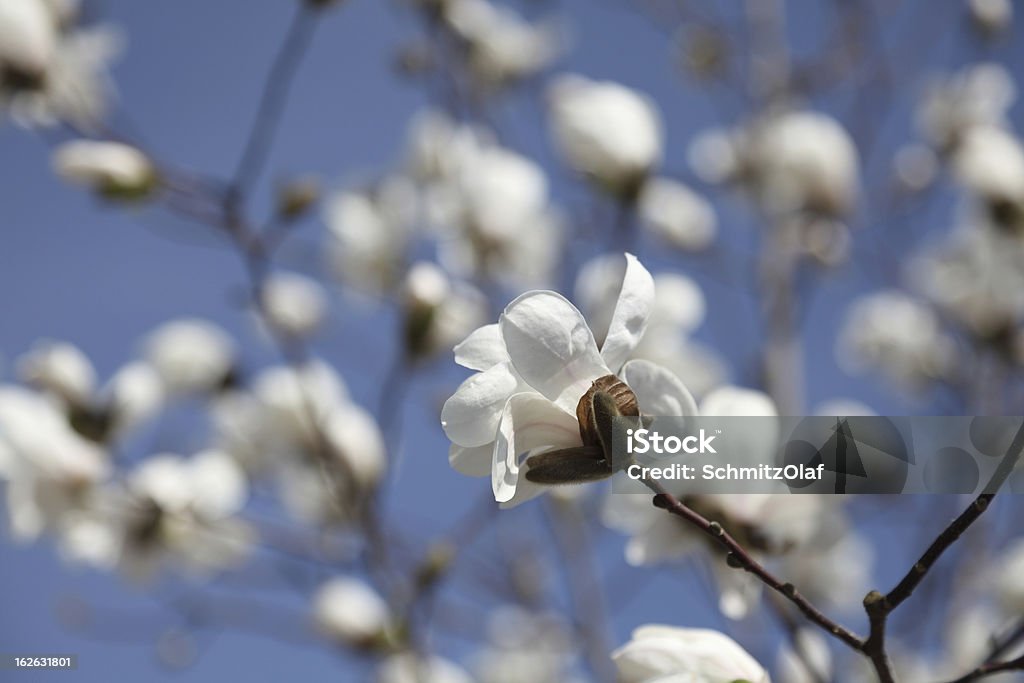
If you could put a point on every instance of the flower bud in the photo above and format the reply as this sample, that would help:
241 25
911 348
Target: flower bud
350 611
111 169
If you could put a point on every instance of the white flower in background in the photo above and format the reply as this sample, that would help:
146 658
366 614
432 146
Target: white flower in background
176 511
413 668
989 162
969 638
51 471
438 312
59 368
805 161
677 214
977 277
488 205
327 452
896 334
835 567
679 309
660 654
191 355
112 169
607 132
525 646
915 166
1008 577
370 233
348 610
977 95
28 39
51 69
502 48
536 369
294 305
992 16
806 660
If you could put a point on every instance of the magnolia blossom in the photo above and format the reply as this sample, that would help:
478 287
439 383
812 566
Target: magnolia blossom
534 367
413 668
293 305
992 16
370 232
525 646
502 47
794 161
609 133
299 425
1009 577
978 95
191 355
659 654
897 334
348 610
112 169
678 311
438 312
488 205
53 70
170 511
677 214
976 276
51 471
59 368
808 660
990 163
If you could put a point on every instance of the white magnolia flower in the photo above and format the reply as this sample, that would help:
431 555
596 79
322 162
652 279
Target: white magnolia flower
370 233
978 95
679 309
525 646
976 276
61 369
897 334
51 471
294 305
438 312
28 37
112 169
805 161
53 70
535 368
664 654
808 660
191 355
502 48
348 610
413 668
1009 577
328 452
489 205
992 16
989 161
677 214
606 131
176 511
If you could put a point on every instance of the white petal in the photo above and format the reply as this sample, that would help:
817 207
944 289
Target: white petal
658 391
528 421
551 346
636 299
482 350
470 417
473 462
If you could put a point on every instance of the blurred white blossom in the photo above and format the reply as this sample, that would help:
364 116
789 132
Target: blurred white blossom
293 304
605 131
191 355
978 95
526 646
112 169
413 668
896 334
348 610
677 214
